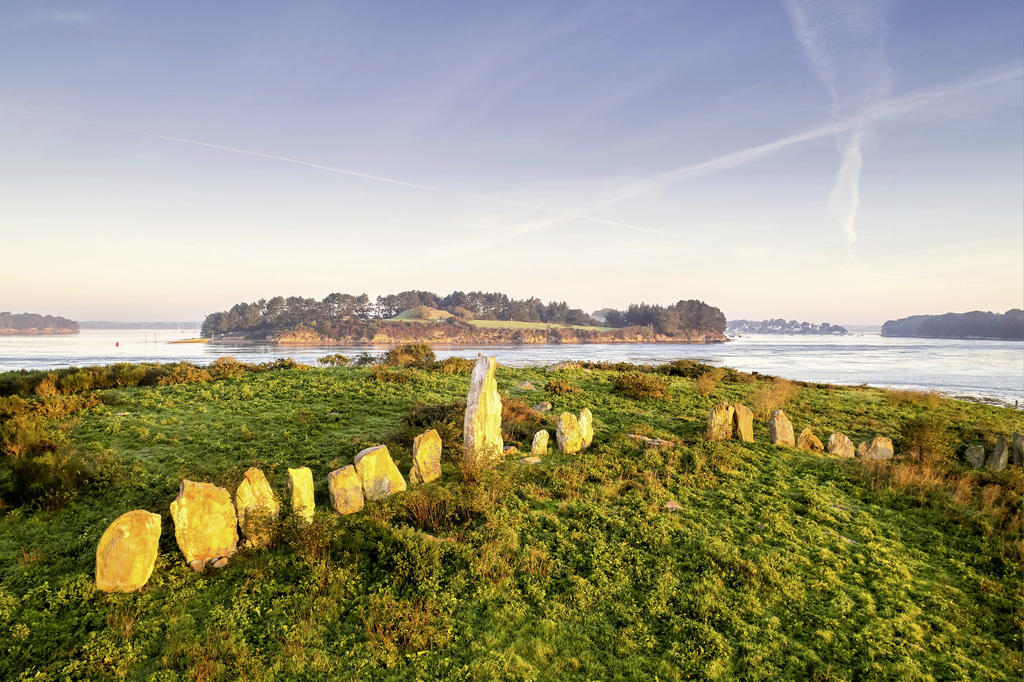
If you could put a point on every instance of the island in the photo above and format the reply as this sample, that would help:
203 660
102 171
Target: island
780 326
976 324
34 323
474 318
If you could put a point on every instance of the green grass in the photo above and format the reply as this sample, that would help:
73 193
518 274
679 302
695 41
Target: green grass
515 324
781 564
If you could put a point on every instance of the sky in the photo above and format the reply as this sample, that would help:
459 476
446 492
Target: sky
848 162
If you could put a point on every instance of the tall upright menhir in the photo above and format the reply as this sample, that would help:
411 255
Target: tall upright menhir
482 426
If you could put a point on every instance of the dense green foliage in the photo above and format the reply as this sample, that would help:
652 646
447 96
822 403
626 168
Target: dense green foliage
781 326
35 321
338 311
780 564
973 325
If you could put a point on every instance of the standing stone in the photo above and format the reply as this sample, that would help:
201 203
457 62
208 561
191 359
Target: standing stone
426 458
540 443
975 455
808 441
743 420
780 429
346 490
1017 456
127 552
1000 455
205 524
300 486
482 425
257 508
840 446
378 473
586 420
569 434
880 447
720 422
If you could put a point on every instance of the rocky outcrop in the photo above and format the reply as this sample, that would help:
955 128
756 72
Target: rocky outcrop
127 552
975 455
257 508
482 425
540 443
999 458
720 422
780 429
808 441
586 420
880 447
346 490
205 524
300 487
569 434
841 446
743 421
426 458
378 473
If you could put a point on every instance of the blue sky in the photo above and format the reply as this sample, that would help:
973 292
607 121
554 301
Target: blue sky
840 161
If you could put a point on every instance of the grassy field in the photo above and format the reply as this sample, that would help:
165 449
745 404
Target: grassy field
781 564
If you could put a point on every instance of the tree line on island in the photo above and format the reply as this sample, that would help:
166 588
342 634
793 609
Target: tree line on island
976 324
781 326
34 323
279 313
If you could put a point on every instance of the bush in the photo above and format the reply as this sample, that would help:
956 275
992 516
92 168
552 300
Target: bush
518 419
707 382
333 360
455 365
184 373
559 387
925 439
639 385
226 368
410 355
773 396
445 418
399 624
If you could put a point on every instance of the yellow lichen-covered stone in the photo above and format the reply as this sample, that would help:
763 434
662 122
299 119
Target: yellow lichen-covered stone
300 486
743 420
378 473
481 427
780 429
808 441
586 420
205 524
540 443
880 447
840 446
569 434
127 551
720 422
257 507
426 458
346 490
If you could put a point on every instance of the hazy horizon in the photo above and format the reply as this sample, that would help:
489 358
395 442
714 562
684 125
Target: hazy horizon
841 162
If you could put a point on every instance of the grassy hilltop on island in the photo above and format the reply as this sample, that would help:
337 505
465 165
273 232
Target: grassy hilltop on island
778 563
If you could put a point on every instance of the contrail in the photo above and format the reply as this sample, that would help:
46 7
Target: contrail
572 215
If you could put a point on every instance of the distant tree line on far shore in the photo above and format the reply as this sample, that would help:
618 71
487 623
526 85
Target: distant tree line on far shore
780 326
26 321
976 324
280 313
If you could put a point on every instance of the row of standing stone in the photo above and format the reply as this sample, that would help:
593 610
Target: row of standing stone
726 419
206 521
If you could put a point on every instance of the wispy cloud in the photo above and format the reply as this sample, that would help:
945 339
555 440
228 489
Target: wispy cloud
844 44
62 16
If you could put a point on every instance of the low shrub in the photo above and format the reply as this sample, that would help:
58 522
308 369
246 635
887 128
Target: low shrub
226 368
773 396
925 439
428 507
706 383
184 373
928 399
640 386
454 365
518 419
384 376
396 625
419 355
333 360
559 387
445 418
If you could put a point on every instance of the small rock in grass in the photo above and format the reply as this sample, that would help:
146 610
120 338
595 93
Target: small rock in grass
540 443
780 429
530 460
808 441
673 506
975 455
543 407
840 446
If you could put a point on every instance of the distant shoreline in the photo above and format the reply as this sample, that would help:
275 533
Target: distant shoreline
36 332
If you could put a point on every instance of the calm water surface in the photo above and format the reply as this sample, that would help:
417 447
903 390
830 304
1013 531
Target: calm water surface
992 370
